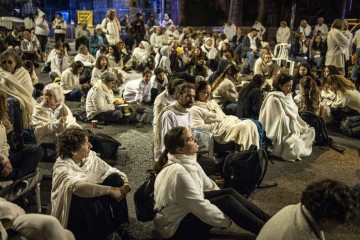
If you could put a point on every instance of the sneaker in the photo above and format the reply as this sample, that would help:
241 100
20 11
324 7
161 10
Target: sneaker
5 184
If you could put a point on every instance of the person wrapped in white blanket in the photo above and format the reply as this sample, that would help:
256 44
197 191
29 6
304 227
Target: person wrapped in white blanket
291 136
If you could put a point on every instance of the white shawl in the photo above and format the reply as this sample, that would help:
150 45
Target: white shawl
10 85
142 54
178 161
8 211
67 173
291 136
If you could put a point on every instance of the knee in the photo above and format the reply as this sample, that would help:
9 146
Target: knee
13 102
113 180
118 114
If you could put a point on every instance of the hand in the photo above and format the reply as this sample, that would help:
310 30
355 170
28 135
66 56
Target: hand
63 119
116 193
84 85
7 169
124 190
139 103
117 102
7 124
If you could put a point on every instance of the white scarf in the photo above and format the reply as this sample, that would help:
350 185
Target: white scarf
176 162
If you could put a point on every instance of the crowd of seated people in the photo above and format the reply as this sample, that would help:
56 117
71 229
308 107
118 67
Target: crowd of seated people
189 80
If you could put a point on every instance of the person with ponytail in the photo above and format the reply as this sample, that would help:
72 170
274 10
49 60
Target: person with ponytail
250 98
189 203
224 89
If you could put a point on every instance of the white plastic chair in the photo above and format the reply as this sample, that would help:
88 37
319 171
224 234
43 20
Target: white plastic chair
281 53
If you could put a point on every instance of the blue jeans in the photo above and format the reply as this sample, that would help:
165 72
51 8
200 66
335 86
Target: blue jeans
319 62
251 57
15 114
75 95
23 162
43 39
355 73
230 109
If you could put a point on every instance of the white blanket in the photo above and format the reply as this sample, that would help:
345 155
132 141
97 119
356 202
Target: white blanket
66 174
291 136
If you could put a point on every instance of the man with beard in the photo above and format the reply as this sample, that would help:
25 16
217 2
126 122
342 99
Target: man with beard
175 115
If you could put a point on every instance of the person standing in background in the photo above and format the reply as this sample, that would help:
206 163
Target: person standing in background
60 27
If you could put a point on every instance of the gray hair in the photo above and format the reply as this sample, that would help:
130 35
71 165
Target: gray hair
108 77
56 90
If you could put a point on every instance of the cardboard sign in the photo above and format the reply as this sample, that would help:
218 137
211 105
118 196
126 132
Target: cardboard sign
85 17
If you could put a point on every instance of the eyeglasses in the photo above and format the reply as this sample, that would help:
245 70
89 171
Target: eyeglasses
3 62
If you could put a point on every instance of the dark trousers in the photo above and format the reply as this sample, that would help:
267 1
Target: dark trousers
15 115
43 39
23 162
95 218
241 211
75 95
112 116
59 37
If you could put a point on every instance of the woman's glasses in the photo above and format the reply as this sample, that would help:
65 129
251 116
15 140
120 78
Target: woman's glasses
3 62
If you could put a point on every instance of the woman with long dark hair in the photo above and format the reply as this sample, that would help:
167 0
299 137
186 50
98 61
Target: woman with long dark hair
250 98
188 202
291 136
224 89
309 97
303 70
207 115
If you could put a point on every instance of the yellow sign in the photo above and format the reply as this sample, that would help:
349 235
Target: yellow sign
85 17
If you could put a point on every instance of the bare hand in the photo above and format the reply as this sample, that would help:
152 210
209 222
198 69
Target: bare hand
124 190
116 193
63 119
7 169
7 124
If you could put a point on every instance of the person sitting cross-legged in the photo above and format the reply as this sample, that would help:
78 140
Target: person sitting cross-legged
88 196
100 102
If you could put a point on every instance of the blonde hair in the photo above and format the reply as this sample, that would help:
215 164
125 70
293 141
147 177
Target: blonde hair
340 83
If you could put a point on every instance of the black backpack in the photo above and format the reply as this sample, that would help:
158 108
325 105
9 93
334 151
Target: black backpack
104 144
244 171
321 136
350 126
144 198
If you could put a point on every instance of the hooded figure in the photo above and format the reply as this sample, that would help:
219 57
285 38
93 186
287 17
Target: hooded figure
162 58
111 26
142 54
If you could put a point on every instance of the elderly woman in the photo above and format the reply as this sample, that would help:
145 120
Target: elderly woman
224 90
100 102
207 115
70 82
51 116
88 196
14 165
85 57
157 39
291 136
189 203
16 84
283 33
141 55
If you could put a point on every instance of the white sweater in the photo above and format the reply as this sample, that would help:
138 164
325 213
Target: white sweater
99 99
179 190
349 98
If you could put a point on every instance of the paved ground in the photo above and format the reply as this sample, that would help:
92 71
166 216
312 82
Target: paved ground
291 177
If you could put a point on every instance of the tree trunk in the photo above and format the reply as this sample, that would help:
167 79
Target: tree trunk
261 15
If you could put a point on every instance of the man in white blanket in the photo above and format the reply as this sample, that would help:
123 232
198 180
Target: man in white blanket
88 196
